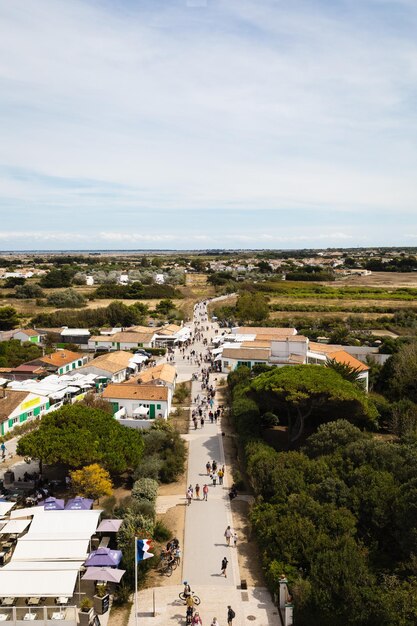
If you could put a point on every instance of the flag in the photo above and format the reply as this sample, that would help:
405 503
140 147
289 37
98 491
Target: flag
142 549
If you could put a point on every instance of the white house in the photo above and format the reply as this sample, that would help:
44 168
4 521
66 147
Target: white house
112 366
122 341
137 406
27 334
163 374
17 407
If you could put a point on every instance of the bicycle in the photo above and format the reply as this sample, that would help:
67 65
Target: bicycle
183 597
167 567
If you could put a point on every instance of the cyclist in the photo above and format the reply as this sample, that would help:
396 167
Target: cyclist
187 589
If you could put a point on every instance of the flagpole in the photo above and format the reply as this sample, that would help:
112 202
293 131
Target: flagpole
136 581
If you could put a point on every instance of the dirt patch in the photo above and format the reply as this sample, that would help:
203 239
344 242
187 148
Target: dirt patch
119 615
381 279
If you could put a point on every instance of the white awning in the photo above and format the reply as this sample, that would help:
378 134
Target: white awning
64 525
5 507
28 512
141 410
51 583
27 550
15 527
41 566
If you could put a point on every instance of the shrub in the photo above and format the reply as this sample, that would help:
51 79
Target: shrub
144 507
69 299
181 393
122 594
161 532
149 467
173 466
145 488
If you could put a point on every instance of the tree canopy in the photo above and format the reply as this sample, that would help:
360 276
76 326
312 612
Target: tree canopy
298 392
91 481
14 352
8 318
77 435
339 520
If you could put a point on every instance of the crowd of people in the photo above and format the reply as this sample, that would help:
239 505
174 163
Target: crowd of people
206 409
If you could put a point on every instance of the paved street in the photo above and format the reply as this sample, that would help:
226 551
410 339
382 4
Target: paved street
204 543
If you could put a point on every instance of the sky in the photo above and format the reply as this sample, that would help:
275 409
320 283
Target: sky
181 124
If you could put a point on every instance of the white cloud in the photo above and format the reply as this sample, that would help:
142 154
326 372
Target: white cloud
242 104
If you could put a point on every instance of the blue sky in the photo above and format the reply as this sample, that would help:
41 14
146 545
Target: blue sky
207 123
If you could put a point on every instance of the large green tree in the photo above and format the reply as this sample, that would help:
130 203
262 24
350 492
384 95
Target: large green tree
301 391
77 435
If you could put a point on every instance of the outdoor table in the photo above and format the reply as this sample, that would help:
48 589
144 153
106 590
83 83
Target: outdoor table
58 615
3 617
62 600
34 601
29 616
8 601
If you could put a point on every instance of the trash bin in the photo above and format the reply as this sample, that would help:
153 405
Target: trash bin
8 478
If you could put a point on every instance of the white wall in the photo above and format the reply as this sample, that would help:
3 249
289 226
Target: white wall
117 377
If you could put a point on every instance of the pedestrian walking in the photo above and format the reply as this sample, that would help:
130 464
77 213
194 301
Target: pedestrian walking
230 615
189 497
177 556
205 492
214 479
220 475
228 534
235 539
196 619
224 566
197 491
3 450
202 421
208 468
195 423
215 622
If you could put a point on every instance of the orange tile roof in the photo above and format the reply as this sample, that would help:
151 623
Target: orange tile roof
28 331
136 392
266 330
246 354
164 372
341 356
60 357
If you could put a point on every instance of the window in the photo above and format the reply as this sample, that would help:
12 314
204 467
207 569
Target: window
158 406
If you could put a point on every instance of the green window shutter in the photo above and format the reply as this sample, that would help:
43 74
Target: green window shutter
158 406
10 423
23 417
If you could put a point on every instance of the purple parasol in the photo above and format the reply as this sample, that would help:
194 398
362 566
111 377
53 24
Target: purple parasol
79 504
104 574
104 557
109 526
53 504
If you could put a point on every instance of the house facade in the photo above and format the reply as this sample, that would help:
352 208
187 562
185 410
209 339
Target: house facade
17 407
124 340
27 334
61 361
137 406
113 366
